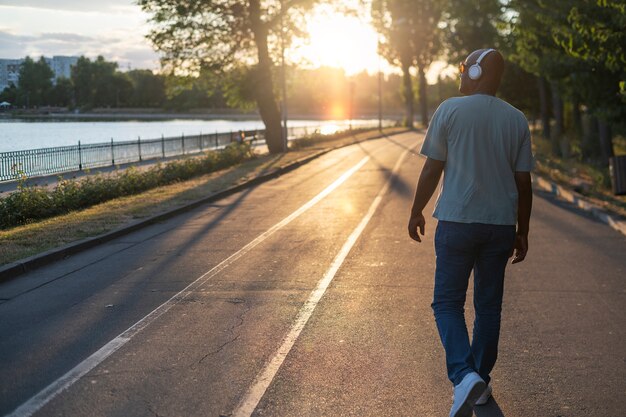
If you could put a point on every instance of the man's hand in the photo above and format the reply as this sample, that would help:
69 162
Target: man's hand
417 221
520 248
429 178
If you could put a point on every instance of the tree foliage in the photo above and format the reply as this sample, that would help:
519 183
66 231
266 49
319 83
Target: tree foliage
410 38
226 35
35 82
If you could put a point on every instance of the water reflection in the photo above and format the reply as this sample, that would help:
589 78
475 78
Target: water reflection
16 134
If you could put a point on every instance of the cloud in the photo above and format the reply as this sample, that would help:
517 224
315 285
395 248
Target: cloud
128 49
65 37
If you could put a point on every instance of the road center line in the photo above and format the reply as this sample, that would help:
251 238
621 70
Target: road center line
36 402
254 394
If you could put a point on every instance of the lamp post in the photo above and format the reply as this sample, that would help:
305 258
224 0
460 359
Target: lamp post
352 84
283 82
380 78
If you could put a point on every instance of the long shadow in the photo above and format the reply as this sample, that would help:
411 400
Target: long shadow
491 409
398 185
402 145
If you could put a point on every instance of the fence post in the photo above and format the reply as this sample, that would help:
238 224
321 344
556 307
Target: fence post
216 140
183 141
80 157
231 135
162 145
139 146
201 141
112 153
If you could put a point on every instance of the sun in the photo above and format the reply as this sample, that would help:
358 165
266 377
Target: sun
338 40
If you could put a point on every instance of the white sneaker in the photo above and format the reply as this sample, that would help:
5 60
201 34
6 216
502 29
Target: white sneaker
465 395
482 400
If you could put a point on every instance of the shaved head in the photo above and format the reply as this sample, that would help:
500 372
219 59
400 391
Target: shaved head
492 66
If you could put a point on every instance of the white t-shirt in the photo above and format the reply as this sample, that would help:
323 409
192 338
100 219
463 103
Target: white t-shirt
484 141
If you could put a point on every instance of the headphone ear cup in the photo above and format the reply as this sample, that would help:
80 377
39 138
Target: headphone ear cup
474 72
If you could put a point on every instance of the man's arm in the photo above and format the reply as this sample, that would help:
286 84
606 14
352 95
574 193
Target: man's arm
524 207
426 185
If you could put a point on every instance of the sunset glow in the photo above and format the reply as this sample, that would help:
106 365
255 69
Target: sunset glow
337 40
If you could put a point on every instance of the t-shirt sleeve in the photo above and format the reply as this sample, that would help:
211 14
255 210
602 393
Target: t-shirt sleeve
525 160
435 144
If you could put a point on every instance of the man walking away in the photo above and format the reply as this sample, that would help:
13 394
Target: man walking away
482 146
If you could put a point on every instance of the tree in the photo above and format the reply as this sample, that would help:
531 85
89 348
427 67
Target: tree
97 83
470 25
391 19
536 52
148 88
578 47
62 94
109 88
595 36
35 82
188 92
82 79
411 37
223 35
427 44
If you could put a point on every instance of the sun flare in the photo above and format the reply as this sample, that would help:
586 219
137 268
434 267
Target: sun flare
338 40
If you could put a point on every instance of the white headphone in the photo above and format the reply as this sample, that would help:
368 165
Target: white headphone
475 71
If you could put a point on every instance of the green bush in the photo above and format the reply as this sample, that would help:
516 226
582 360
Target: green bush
29 204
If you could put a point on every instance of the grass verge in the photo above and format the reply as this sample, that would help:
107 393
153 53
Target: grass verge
587 179
27 240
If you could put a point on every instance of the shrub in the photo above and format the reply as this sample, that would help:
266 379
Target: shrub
29 204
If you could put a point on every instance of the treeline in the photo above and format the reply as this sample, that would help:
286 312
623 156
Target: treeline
566 60
99 83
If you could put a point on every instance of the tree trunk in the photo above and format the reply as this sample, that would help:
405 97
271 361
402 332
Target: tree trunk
543 105
408 92
268 108
591 144
557 110
606 140
423 95
577 117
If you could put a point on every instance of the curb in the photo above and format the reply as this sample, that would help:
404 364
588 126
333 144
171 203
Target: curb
22 266
611 219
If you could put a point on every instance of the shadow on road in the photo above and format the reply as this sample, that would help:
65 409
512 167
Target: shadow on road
412 149
491 409
397 184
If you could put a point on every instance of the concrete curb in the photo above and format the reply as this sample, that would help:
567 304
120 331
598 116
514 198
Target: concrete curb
606 217
17 268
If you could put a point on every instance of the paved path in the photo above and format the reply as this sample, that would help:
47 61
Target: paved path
110 333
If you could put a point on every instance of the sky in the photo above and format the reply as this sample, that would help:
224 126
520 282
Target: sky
116 29
112 28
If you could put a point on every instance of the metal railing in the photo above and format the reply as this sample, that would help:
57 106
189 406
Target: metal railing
56 160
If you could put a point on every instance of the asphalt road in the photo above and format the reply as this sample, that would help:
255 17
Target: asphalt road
304 296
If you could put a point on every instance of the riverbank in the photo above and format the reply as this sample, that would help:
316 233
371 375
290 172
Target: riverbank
51 114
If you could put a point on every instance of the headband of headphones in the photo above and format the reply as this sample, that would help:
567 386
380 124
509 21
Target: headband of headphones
484 54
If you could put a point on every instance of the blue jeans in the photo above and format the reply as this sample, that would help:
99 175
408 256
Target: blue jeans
461 247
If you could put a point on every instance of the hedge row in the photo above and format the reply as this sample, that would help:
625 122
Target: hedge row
29 204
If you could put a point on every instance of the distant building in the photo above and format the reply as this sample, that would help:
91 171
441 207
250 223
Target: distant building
61 65
9 72
10 69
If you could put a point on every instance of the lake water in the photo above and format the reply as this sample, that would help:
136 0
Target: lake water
20 134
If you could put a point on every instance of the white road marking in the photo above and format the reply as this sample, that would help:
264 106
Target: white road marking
251 399
36 402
